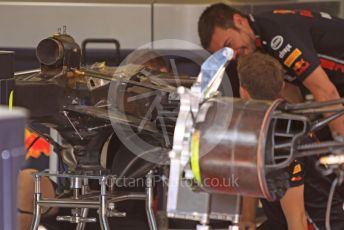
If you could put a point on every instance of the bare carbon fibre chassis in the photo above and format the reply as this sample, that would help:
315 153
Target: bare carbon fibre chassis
84 199
84 103
75 101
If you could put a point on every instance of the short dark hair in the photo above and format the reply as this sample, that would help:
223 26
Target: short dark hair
261 75
220 15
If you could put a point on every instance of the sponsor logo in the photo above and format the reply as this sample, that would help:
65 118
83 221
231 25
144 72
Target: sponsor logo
258 42
306 13
297 169
41 146
331 65
276 42
284 11
339 67
296 178
301 66
285 50
292 57
325 15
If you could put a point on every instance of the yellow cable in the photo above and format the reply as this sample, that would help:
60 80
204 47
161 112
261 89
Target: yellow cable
195 156
10 100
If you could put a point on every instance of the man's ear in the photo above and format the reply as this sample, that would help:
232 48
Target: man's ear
238 21
244 94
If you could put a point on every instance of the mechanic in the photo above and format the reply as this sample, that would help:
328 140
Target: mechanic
308 44
309 189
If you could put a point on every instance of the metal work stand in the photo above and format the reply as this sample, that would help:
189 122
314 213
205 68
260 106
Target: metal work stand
84 199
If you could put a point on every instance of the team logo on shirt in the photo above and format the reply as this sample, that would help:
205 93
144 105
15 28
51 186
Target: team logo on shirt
285 50
284 11
331 63
306 13
297 172
276 42
301 66
325 15
292 57
296 179
297 169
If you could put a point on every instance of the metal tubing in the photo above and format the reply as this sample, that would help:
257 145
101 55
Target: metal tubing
85 188
116 197
76 193
68 203
76 182
129 197
37 184
102 209
36 213
84 211
37 209
149 202
82 225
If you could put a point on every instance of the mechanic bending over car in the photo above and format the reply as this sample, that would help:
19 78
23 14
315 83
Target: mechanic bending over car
309 45
306 199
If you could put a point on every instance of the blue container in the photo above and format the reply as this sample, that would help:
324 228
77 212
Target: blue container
12 124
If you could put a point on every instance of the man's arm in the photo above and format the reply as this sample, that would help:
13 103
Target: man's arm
294 209
248 213
323 89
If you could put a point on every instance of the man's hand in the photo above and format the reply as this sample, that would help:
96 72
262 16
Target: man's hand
247 225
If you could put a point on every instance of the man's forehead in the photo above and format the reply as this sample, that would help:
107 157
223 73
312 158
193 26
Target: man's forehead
218 39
